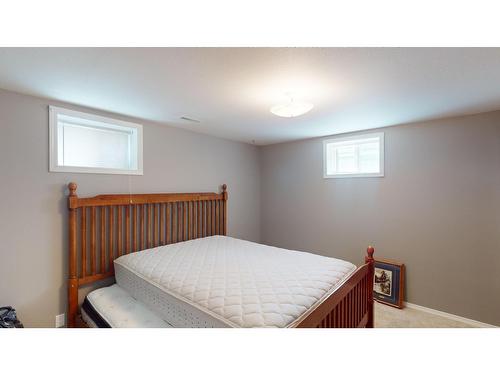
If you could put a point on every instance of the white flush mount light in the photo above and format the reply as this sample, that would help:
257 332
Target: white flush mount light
291 108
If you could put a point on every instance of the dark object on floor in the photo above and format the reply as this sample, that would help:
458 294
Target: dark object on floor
8 318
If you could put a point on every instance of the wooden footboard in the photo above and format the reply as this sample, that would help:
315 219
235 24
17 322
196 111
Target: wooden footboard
350 306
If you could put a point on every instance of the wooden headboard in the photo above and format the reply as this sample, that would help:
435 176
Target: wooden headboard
104 227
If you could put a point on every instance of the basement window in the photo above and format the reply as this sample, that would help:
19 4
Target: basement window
355 156
85 143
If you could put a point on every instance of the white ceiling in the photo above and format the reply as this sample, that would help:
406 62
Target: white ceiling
230 90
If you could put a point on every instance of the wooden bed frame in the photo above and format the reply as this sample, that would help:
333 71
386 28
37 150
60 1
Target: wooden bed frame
104 227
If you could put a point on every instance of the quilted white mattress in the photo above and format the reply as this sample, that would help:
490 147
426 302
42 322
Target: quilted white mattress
221 281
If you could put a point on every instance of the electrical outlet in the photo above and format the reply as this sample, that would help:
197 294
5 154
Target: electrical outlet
60 320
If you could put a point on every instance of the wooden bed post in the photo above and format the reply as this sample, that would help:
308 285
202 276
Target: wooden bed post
371 269
72 276
224 193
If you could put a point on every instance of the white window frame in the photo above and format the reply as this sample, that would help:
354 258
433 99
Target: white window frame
54 165
379 135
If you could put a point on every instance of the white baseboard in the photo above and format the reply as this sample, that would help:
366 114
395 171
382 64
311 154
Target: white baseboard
457 318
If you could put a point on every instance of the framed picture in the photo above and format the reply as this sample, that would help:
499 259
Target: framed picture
388 283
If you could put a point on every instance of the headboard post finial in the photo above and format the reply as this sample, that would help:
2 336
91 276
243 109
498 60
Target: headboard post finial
224 192
72 189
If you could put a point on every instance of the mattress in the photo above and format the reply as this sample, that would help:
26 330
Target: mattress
221 281
112 307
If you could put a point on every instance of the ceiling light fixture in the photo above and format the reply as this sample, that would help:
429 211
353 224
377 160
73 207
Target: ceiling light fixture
291 108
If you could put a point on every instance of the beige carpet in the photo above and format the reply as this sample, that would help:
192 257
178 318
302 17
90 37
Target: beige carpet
391 317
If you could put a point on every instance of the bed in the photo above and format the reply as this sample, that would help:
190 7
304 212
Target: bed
175 266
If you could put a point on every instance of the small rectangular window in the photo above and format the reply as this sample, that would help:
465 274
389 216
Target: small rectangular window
356 156
86 143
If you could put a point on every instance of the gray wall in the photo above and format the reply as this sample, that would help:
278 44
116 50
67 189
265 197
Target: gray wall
33 213
437 210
